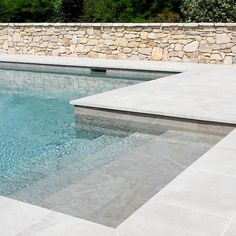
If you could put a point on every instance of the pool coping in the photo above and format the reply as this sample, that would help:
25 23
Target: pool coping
200 201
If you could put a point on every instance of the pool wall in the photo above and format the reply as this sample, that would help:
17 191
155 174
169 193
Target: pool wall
107 119
199 43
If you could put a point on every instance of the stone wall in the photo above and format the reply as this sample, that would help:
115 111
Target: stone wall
200 43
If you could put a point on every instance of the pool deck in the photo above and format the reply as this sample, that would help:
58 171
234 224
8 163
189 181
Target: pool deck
200 201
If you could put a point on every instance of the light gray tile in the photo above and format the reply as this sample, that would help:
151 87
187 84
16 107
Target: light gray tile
231 229
57 224
22 219
229 141
161 219
202 191
221 160
17 216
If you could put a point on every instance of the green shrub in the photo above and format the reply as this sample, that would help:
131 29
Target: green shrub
30 10
167 17
3 11
130 10
57 15
209 10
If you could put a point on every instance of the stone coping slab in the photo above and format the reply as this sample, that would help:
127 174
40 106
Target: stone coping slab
198 95
200 92
123 24
111 63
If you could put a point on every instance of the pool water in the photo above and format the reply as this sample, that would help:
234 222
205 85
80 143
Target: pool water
102 177
37 124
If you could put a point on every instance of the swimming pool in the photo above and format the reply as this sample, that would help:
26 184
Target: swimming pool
96 175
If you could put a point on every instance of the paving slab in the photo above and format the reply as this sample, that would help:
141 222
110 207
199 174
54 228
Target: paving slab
219 160
168 220
231 229
22 219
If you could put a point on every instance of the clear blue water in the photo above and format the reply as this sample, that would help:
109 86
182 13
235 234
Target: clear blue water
37 130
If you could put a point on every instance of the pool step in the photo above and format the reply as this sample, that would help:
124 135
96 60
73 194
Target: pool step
33 169
42 189
112 193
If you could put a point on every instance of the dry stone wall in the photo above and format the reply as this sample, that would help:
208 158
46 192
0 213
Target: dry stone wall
199 43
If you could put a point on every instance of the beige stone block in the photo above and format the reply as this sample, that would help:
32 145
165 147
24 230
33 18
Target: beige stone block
211 40
178 47
119 34
109 42
121 42
203 59
96 49
222 38
157 53
66 42
152 36
52 39
72 48
13 51
122 56
92 42
80 33
87 48
175 59
142 45
144 35
82 40
5 45
205 48
233 49
126 50
130 36
16 37
106 36
133 44
145 51
49 31
228 60
80 49
216 57
62 49
191 47
89 31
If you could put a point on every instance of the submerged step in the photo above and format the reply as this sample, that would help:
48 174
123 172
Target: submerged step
113 192
38 190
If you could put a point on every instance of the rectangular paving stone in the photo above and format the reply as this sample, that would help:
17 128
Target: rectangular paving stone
202 191
162 219
218 159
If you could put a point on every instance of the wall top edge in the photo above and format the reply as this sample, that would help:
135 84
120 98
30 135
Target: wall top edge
118 24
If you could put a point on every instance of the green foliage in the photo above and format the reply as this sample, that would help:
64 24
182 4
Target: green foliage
167 17
30 10
127 10
209 10
3 11
117 10
57 10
